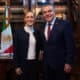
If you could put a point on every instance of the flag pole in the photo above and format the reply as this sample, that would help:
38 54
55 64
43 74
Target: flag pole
7 2
8 5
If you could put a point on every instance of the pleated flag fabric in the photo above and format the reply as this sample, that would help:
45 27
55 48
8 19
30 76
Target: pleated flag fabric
6 35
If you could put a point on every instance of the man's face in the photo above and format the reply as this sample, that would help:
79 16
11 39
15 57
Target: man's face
29 19
48 13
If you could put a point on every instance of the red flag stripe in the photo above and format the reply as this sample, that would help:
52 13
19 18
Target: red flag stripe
9 50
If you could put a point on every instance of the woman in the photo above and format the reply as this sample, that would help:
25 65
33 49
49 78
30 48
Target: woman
26 49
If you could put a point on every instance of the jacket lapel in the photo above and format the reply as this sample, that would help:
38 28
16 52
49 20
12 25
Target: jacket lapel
42 32
53 31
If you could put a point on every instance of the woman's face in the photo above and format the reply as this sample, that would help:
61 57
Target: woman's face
29 19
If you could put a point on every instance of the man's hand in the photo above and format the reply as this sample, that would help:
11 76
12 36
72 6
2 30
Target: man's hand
67 68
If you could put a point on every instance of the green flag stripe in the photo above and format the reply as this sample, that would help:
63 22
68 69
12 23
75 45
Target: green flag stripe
3 26
4 20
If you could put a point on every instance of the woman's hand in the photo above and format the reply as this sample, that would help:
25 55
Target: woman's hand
18 71
40 58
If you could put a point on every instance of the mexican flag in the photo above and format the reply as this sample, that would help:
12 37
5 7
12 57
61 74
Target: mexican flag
6 35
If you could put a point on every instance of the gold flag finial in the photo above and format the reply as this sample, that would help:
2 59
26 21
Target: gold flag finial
7 2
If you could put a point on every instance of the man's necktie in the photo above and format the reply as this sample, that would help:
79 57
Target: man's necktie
48 31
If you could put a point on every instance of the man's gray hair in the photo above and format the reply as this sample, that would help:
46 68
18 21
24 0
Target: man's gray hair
48 4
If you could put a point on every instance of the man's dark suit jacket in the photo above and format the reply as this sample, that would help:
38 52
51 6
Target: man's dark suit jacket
21 45
59 49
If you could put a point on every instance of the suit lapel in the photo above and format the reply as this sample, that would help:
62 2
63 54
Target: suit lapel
55 26
43 32
53 31
26 34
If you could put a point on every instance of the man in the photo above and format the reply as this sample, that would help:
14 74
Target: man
26 49
58 44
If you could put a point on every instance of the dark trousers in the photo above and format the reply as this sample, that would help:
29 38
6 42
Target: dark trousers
30 71
55 74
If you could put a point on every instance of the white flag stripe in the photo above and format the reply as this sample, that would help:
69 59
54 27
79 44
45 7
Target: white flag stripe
7 40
